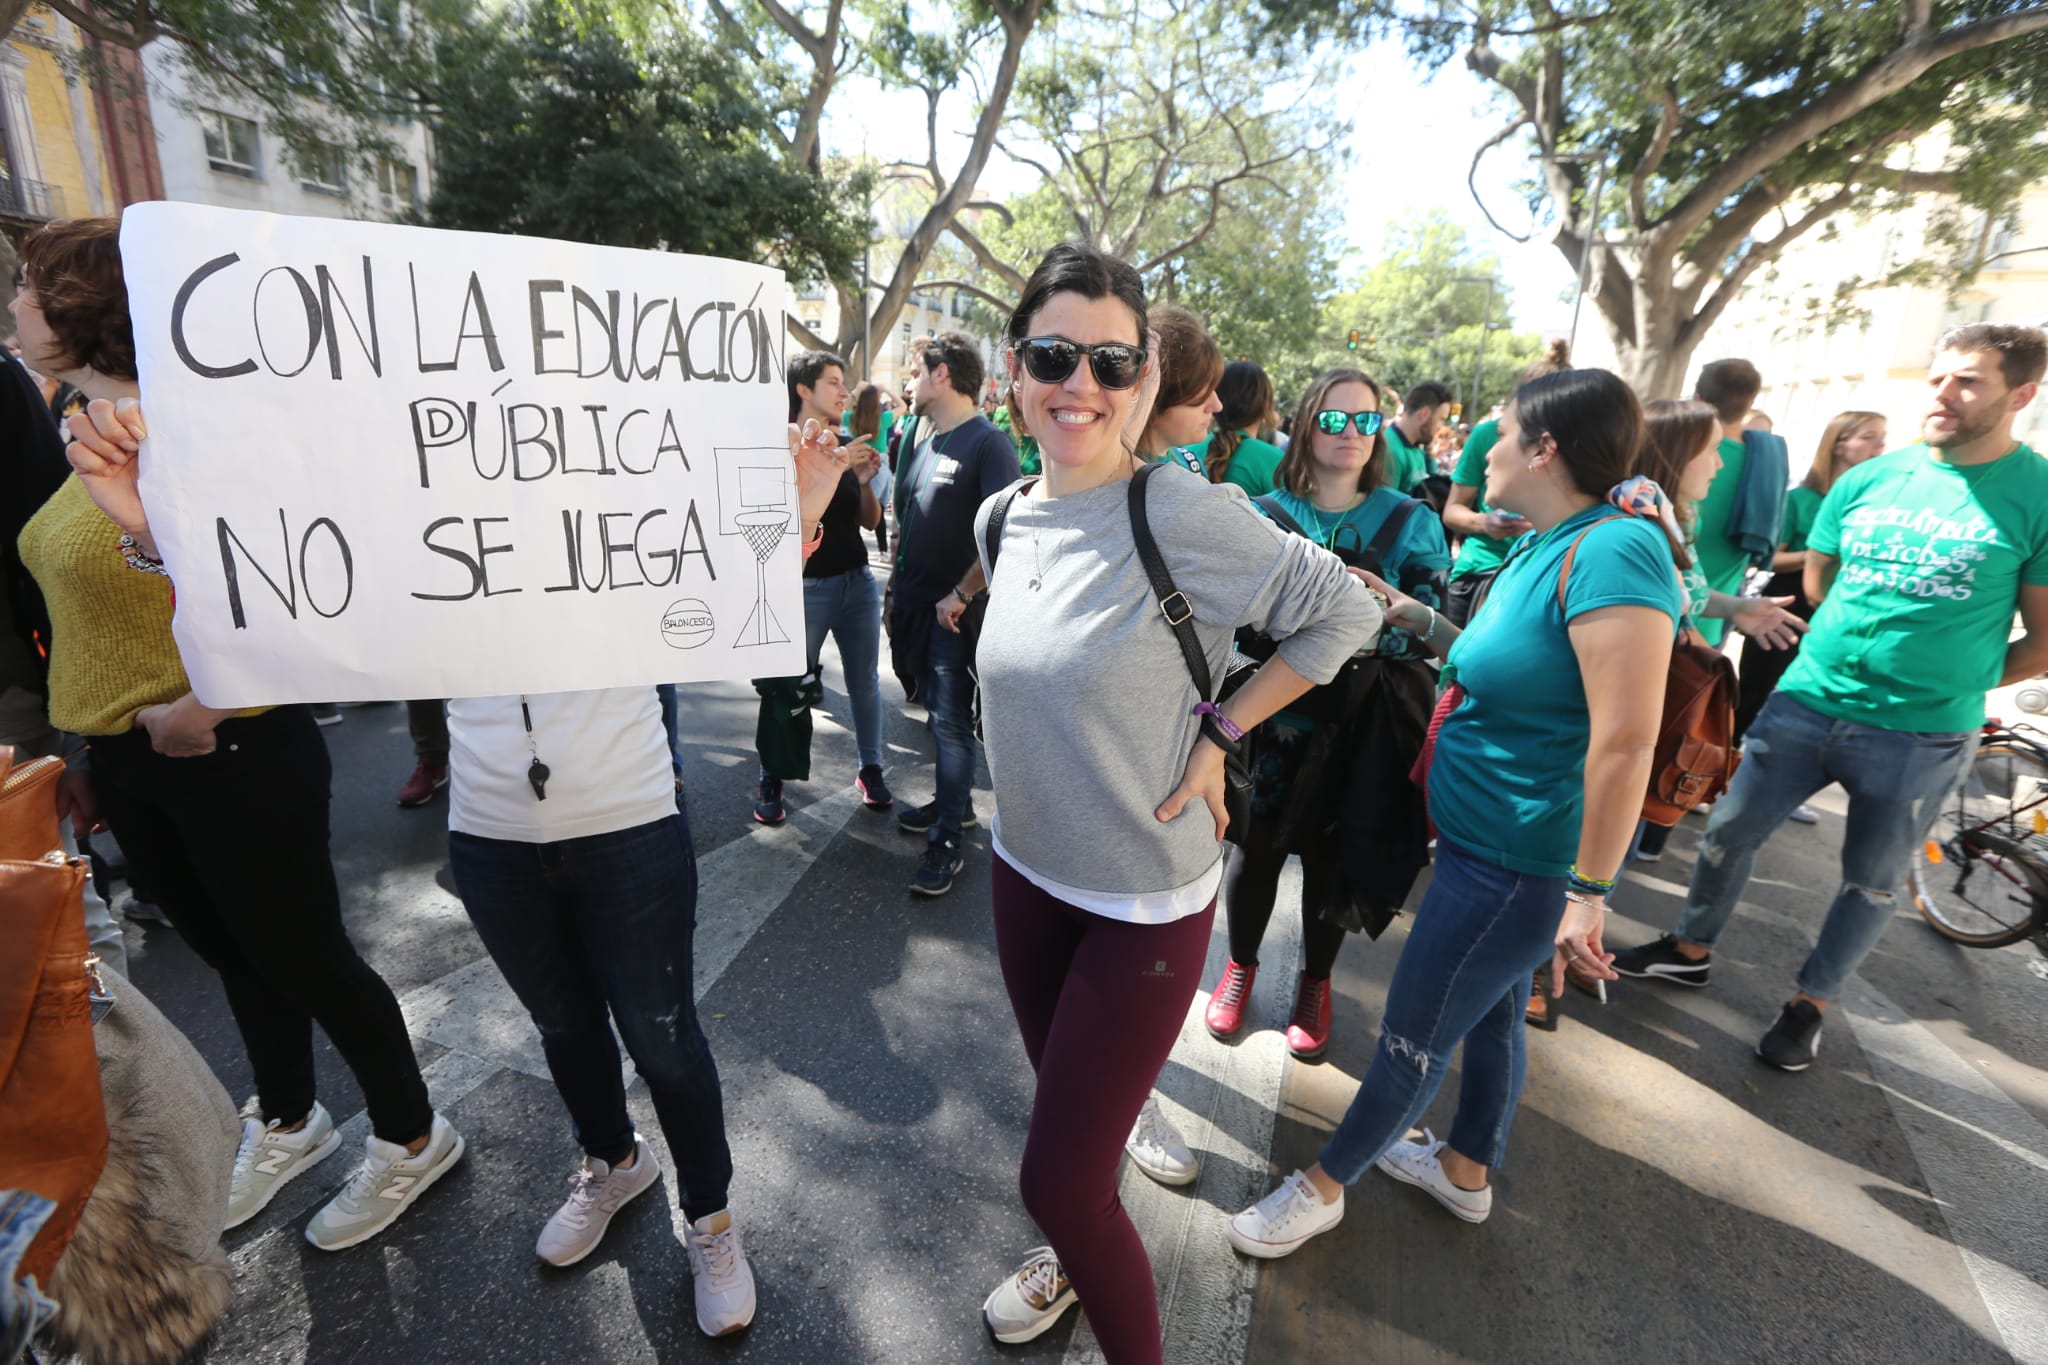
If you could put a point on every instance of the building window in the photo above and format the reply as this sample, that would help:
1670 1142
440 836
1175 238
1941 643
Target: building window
230 142
398 186
323 168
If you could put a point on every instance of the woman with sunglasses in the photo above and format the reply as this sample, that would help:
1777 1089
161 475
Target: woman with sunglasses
1108 768
1538 773
1334 490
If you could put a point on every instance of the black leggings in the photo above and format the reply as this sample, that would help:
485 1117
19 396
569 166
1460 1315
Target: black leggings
1761 668
1255 885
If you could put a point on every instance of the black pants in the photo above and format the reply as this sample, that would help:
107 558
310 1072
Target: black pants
1255 885
1461 594
428 722
234 846
1761 668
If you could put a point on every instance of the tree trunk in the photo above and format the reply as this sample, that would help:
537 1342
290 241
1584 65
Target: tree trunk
1655 371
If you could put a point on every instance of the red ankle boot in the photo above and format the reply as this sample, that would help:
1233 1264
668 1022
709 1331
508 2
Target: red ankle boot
1225 1015
1308 1032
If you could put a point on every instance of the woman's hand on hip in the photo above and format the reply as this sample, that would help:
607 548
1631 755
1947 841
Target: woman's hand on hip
182 729
1203 778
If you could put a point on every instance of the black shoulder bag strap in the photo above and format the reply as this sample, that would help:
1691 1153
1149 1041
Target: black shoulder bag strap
1270 505
1390 531
997 514
1173 603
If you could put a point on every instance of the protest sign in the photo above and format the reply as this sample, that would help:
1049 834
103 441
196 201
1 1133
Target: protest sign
389 462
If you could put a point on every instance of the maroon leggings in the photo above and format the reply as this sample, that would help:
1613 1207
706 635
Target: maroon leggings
1099 1002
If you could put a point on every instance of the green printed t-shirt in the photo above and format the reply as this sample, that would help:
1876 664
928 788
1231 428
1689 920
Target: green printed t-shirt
1508 781
1408 465
1913 632
1802 505
1720 559
1252 464
1479 554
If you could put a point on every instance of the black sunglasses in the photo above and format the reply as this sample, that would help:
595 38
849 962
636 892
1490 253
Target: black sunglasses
1332 422
1049 360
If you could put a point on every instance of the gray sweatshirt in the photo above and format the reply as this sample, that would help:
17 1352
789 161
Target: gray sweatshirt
1086 698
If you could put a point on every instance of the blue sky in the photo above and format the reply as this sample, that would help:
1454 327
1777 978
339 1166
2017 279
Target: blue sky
1440 121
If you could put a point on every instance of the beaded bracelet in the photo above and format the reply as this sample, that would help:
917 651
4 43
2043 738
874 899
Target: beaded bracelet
1591 886
139 561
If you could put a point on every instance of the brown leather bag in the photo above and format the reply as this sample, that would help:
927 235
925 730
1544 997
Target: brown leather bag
53 1119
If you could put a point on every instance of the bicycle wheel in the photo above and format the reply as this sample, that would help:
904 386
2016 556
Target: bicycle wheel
1981 878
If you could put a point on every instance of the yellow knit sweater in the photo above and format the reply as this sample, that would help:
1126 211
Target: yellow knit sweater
111 648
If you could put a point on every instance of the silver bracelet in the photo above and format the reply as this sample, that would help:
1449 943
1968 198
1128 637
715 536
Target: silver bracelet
1600 905
139 561
1429 634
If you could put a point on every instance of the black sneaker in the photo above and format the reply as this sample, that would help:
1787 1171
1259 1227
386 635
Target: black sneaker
937 869
1661 961
874 792
920 819
768 808
1795 1039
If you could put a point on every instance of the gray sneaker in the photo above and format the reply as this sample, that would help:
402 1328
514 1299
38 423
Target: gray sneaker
596 1192
385 1187
269 1158
724 1282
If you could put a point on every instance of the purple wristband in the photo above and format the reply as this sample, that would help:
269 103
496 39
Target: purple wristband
1223 722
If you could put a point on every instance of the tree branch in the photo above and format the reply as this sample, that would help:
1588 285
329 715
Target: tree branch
987 258
1653 156
1731 284
1472 176
134 37
1000 305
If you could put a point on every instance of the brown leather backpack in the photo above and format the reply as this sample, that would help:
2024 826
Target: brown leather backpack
53 1119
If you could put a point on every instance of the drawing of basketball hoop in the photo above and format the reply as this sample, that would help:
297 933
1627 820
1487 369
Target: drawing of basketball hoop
763 530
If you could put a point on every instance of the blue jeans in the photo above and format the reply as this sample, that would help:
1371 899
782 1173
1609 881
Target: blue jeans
1896 780
598 930
850 606
1464 977
948 692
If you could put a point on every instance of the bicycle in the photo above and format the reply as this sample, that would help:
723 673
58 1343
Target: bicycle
1981 877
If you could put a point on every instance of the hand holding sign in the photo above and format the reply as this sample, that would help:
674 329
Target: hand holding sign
104 441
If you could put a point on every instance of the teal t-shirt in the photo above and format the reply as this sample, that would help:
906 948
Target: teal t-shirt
1252 464
1719 558
1913 631
1802 505
1479 554
1407 465
1508 781
1415 563
1178 457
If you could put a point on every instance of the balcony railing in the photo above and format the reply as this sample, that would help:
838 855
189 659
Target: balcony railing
23 198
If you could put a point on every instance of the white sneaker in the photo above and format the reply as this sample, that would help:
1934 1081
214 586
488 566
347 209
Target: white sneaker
268 1159
1284 1219
596 1192
1421 1165
385 1187
724 1280
1028 1303
1157 1148
1805 815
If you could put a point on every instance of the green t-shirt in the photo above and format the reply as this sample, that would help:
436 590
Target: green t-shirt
1802 505
1407 465
1479 554
1913 631
1508 781
1721 559
1252 464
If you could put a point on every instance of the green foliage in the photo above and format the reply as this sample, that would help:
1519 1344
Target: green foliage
555 125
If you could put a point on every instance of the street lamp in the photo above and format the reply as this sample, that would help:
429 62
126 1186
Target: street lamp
1592 230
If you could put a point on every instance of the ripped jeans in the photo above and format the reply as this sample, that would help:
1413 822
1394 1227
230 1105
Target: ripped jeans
1896 781
1464 977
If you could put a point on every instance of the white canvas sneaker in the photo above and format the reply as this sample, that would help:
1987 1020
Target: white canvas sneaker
1421 1164
269 1158
596 1192
724 1281
1027 1304
385 1187
1157 1148
1284 1219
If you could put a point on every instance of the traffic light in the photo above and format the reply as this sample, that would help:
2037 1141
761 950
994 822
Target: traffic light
1351 339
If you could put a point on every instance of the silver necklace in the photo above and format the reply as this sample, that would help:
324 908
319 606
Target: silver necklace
1038 566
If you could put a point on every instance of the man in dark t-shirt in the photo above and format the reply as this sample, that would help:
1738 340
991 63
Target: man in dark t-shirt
960 458
841 596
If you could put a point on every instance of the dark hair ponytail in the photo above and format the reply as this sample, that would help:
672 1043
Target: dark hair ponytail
1247 397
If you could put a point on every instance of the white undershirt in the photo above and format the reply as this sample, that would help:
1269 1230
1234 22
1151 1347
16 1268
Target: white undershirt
606 753
1150 907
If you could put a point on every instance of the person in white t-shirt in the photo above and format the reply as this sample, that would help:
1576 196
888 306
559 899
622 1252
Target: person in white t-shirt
574 860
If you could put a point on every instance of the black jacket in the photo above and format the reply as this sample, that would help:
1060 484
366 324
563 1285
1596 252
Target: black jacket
32 467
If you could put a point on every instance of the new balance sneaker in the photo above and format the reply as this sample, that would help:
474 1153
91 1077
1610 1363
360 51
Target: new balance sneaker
1284 1219
269 1158
874 792
1794 1040
768 807
385 1187
1308 1032
326 713
1156 1147
427 778
1225 1015
1803 814
920 819
1029 1302
724 1285
1661 961
1421 1164
596 1192
941 863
